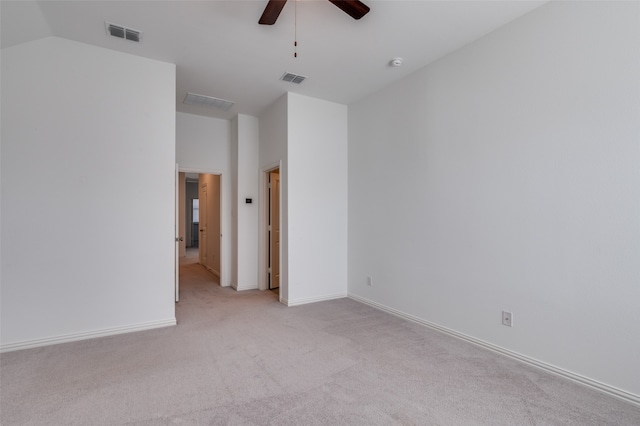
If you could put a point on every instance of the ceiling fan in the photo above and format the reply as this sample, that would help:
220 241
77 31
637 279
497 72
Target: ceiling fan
354 8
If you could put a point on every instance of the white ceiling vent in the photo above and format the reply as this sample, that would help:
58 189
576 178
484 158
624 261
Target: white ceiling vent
123 32
292 78
207 101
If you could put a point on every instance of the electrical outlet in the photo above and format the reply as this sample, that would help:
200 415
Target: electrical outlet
507 318
369 281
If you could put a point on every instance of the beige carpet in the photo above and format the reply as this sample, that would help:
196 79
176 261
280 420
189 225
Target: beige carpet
245 359
192 255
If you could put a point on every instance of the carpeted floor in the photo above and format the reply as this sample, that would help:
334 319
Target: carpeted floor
245 359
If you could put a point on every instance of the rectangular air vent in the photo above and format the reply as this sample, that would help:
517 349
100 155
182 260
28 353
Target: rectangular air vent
292 78
207 101
123 32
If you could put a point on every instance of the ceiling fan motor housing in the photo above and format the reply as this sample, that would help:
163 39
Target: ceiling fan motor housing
354 8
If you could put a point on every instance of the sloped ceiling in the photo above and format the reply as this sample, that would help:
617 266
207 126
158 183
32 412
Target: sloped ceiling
221 51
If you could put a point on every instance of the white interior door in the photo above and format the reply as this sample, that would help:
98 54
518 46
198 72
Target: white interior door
177 234
182 214
274 230
203 223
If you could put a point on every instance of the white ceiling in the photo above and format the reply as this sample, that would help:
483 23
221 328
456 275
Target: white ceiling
221 51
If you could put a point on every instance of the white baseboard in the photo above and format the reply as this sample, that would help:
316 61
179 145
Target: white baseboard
74 337
213 271
245 287
297 302
594 384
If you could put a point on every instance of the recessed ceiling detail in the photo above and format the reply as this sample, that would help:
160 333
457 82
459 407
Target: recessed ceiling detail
123 32
292 78
207 101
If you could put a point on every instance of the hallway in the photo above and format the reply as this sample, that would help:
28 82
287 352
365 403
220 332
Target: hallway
203 299
192 256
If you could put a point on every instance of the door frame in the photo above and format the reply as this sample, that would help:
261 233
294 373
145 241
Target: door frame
273 232
177 231
263 229
203 222
224 247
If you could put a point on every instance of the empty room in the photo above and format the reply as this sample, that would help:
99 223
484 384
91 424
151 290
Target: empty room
320 212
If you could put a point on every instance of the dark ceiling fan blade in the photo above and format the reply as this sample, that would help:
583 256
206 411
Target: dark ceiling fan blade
354 8
271 12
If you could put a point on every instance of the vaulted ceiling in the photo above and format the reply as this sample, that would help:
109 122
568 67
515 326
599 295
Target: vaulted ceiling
221 51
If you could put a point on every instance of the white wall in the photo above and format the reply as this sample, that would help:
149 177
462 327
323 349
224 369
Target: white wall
203 145
307 137
273 152
505 177
233 157
246 130
317 199
80 124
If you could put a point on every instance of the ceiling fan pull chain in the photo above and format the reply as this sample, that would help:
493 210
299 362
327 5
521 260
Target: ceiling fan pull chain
295 30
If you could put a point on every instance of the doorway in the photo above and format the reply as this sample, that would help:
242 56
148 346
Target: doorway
190 225
190 208
200 222
273 230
